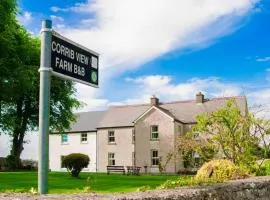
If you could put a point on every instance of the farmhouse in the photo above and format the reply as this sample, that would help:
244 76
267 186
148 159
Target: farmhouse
141 135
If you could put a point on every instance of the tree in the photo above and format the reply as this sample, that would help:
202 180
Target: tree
231 131
189 144
75 162
19 87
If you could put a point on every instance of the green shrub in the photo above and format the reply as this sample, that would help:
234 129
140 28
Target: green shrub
143 188
266 165
75 162
220 170
191 181
12 163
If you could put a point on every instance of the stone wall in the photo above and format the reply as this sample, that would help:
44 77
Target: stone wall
256 188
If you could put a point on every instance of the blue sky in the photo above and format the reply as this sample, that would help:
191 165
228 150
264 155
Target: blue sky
170 49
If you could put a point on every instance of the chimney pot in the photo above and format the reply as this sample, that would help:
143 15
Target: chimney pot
199 98
154 101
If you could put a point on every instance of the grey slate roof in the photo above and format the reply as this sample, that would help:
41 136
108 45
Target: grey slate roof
121 116
183 111
186 111
86 121
124 116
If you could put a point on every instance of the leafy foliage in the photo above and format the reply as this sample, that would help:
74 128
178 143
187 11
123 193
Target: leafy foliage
220 170
230 131
19 83
204 147
75 162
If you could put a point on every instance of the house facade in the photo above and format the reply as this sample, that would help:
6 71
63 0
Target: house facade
81 138
143 135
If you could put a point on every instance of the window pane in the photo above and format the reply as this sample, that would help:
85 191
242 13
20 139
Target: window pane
64 138
154 128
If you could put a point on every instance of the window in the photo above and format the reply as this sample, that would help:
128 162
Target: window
133 136
111 159
154 158
154 132
111 138
133 159
64 138
61 161
84 138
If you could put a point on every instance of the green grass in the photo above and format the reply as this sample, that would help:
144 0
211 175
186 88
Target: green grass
60 182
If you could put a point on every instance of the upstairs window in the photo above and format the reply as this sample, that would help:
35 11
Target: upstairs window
154 158
111 137
154 132
84 138
111 159
64 138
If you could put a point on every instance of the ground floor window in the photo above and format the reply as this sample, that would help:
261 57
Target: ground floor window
154 158
111 159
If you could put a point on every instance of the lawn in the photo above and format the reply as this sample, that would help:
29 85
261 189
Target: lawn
60 182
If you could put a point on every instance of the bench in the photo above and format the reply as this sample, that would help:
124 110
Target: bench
133 170
116 169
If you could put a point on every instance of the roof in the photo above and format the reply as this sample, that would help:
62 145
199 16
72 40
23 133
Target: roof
186 111
86 121
122 116
183 111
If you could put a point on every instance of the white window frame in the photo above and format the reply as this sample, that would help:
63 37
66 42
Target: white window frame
64 135
84 138
154 133
154 160
111 136
111 159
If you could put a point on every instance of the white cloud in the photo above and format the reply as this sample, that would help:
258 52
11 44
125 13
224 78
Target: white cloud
264 59
25 18
130 33
162 87
57 18
57 9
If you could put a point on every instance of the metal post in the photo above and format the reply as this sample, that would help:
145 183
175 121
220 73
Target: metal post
44 105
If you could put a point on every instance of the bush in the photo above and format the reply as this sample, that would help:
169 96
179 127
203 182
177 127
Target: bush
220 170
12 162
75 162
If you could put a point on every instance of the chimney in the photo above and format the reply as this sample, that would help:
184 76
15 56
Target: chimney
199 98
154 101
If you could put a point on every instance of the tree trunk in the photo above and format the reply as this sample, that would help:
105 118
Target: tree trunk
22 115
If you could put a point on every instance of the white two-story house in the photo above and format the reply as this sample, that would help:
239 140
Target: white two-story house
141 135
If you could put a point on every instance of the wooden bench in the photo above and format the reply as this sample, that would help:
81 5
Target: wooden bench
134 170
116 169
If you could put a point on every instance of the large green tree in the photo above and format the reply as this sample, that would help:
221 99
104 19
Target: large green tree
232 131
19 86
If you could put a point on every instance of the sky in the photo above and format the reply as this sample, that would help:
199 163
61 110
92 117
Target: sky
170 49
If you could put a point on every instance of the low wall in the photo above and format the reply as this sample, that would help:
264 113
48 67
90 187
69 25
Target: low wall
257 188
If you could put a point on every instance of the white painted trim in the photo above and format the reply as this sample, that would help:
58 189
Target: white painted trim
152 107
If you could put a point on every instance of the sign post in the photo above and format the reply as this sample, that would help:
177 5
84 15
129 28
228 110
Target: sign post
44 105
66 59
